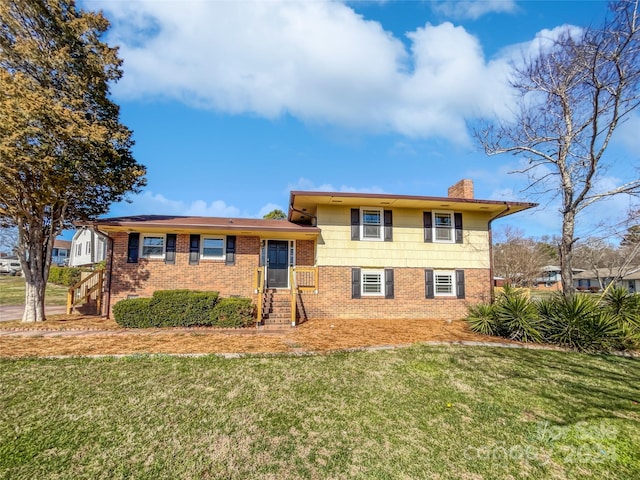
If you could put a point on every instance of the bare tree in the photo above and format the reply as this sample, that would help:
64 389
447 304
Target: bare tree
519 260
573 95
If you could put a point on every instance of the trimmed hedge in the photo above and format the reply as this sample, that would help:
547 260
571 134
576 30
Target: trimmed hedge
67 276
233 312
184 308
133 313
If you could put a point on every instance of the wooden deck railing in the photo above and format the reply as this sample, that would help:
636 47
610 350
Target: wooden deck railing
87 289
301 279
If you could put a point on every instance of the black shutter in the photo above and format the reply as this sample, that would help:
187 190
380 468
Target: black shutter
133 247
355 283
388 226
194 249
457 221
355 224
231 250
170 252
428 281
388 283
460 283
428 231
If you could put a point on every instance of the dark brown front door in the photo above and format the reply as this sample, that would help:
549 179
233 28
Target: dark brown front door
277 264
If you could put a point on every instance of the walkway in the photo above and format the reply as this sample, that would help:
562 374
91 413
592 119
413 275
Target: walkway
14 312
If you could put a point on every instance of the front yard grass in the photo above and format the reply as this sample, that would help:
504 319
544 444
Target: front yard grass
12 292
419 412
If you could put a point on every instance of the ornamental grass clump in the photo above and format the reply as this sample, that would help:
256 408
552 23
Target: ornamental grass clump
578 321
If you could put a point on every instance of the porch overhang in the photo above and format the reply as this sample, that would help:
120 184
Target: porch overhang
280 229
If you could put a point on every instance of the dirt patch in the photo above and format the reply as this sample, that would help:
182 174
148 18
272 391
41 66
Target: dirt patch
105 337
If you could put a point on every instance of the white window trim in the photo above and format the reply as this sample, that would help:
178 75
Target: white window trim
380 237
454 287
452 238
213 237
374 271
154 235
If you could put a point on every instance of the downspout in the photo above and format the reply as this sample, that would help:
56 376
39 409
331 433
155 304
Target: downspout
507 208
110 240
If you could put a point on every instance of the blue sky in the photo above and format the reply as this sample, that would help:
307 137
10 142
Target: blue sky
235 103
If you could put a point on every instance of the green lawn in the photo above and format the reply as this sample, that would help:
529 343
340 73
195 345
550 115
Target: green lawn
12 292
419 412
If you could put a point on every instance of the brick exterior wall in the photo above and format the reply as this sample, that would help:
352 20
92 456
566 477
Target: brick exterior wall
149 275
333 299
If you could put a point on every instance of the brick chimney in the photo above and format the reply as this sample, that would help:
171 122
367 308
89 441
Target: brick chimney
462 189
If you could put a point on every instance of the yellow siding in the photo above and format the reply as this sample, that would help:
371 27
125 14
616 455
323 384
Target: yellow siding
408 248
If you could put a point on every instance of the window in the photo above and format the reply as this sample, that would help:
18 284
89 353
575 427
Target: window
443 282
152 246
213 247
371 282
371 224
87 248
371 227
79 249
443 224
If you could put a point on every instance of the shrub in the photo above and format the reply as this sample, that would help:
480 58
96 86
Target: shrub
133 313
577 322
625 307
199 308
184 308
482 319
233 312
67 276
170 308
518 316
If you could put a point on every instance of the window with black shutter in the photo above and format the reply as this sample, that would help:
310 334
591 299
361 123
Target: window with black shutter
428 224
170 252
133 247
194 249
355 283
388 283
231 250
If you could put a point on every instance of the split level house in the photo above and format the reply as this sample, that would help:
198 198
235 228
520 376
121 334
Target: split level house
338 255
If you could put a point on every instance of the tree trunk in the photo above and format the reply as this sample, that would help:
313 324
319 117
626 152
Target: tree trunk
34 251
34 300
566 252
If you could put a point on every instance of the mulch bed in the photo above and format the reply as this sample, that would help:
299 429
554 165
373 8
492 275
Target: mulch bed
105 337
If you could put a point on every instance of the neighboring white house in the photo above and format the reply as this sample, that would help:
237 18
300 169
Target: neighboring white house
551 277
87 248
60 252
601 277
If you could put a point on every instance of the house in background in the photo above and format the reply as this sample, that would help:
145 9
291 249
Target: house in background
60 252
88 247
338 255
551 278
600 278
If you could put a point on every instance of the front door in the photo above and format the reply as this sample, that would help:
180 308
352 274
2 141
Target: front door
277 264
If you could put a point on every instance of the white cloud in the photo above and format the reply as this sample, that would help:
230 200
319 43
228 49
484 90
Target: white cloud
318 61
269 207
157 204
473 9
309 185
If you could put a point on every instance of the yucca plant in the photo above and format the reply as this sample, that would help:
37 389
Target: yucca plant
623 304
578 322
519 317
482 319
